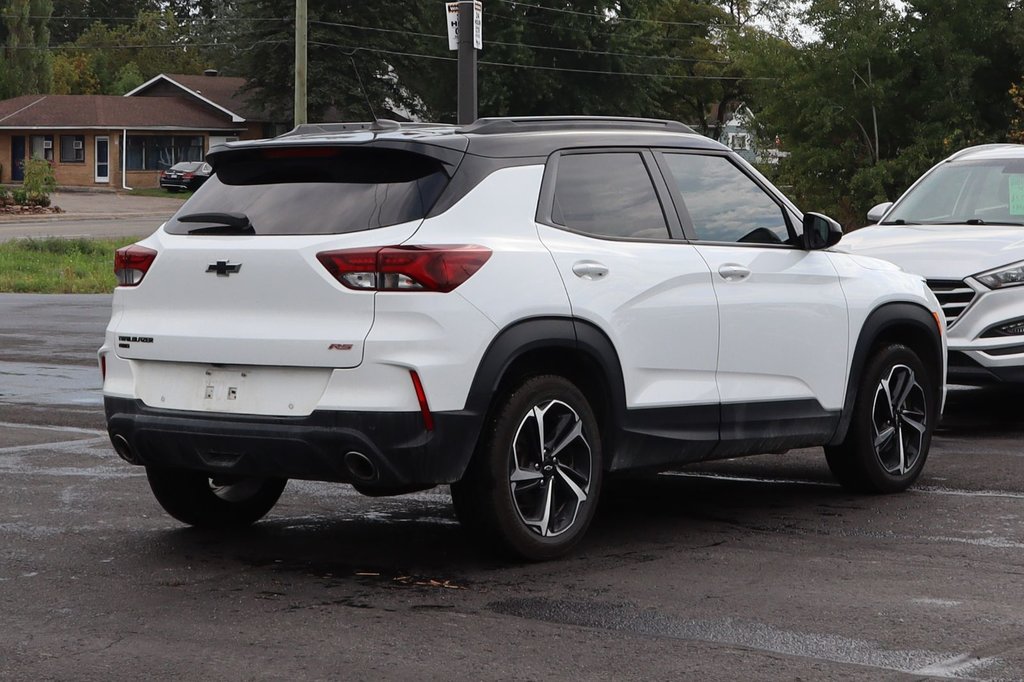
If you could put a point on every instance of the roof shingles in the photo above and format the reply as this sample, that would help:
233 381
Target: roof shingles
109 111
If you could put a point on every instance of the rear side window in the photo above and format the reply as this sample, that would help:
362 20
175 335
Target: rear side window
318 190
608 195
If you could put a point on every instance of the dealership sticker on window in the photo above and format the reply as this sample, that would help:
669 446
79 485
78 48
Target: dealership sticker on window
1016 194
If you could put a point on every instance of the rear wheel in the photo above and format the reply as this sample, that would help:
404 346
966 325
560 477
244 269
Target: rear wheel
891 429
206 501
532 487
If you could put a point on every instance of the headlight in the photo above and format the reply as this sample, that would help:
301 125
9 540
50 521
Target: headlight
1006 276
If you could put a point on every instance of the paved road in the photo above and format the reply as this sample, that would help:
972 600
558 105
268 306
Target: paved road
756 569
94 214
94 227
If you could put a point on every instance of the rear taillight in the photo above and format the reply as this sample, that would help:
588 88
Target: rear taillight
187 176
131 264
405 268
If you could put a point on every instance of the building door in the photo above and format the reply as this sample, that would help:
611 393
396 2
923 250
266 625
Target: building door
102 159
17 158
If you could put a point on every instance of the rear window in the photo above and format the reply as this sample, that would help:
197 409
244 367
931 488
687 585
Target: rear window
318 190
186 166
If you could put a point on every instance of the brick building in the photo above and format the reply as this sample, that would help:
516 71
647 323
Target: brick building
124 142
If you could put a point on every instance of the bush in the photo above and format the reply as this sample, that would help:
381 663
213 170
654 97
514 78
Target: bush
5 197
39 180
20 196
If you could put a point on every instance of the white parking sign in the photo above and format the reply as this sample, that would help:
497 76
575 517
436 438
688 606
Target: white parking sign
452 11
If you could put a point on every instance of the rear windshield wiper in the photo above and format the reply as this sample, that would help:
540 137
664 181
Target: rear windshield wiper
222 223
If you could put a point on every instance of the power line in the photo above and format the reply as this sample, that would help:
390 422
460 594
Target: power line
354 49
617 17
527 45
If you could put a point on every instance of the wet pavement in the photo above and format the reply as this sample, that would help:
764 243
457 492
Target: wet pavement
753 569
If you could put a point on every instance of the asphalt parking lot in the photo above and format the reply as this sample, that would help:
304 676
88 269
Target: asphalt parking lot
754 569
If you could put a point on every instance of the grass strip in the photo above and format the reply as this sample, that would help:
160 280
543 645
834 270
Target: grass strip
53 265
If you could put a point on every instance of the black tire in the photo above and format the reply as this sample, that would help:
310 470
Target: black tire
521 501
892 425
196 498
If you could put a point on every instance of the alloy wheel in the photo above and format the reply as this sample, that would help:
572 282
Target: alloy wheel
899 417
550 468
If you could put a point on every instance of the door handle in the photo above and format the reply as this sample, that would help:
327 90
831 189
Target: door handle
588 269
733 272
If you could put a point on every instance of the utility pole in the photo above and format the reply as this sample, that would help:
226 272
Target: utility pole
301 16
468 33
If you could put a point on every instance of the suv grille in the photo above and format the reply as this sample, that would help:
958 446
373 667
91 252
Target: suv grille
954 297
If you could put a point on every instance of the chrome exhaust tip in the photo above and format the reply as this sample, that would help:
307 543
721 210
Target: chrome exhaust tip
123 449
360 466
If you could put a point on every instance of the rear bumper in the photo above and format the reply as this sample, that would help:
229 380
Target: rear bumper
400 454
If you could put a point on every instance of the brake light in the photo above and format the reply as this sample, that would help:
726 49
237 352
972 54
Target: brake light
300 153
439 268
187 176
131 263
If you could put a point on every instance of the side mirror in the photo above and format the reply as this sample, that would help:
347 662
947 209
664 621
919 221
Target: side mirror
820 231
876 213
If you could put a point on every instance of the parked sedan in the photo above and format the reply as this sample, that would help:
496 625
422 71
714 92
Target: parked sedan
187 175
961 226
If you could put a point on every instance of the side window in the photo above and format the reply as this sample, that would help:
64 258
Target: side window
608 195
723 203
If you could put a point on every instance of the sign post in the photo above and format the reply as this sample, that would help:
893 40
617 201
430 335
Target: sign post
466 13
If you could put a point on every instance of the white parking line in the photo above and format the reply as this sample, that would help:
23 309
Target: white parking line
926 489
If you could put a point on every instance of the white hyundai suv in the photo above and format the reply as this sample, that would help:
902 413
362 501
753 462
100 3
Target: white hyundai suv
515 308
961 226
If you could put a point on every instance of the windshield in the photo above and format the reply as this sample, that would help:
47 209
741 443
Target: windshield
986 192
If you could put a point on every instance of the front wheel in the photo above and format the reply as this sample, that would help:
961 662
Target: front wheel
213 501
891 429
532 487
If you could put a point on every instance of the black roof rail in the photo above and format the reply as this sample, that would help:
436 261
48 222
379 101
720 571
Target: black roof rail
493 126
381 125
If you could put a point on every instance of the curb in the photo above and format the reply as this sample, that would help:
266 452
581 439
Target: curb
58 217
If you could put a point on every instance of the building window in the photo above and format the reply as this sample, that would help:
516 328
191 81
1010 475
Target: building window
72 149
160 152
41 147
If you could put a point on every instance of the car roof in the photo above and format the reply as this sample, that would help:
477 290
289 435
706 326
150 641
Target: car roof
989 151
500 137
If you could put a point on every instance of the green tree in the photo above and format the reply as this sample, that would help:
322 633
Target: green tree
25 62
131 53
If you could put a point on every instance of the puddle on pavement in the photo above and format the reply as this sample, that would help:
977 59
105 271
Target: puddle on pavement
36 384
834 648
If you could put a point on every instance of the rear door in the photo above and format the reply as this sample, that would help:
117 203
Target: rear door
782 359
221 292
625 271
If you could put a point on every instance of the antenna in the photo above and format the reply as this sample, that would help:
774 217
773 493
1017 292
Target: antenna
355 68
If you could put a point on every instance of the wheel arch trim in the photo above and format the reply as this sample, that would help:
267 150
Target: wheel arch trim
547 333
881 320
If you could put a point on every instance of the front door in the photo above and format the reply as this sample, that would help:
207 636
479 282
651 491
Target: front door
102 159
783 314
17 158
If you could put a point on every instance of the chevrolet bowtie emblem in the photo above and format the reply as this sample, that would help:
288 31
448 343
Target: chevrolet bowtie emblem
224 268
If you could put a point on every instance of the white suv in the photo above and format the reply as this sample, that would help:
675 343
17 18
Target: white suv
961 226
515 308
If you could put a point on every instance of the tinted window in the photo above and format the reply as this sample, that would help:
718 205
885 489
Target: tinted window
723 203
318 190
608 195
